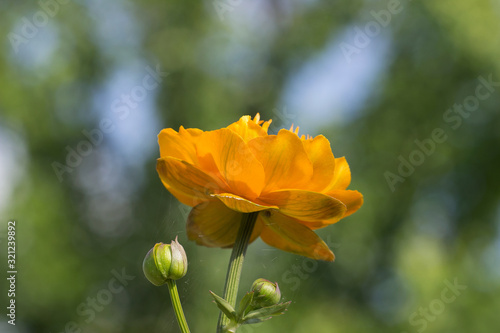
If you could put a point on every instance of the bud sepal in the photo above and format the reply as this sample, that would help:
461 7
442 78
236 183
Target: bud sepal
165 262
256 306
266 293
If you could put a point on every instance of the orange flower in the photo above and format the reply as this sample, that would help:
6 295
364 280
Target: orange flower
295 183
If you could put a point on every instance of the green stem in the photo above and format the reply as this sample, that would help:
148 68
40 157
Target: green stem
176 302
236 264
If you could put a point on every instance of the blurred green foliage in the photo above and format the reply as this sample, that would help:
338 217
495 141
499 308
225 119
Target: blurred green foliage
62 72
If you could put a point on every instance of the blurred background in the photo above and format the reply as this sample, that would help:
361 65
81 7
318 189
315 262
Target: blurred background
408 91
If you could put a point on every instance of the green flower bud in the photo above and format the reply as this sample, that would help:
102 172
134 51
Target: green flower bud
164 262
266 293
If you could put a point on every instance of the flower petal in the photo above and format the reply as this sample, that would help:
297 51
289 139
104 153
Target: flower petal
212 224
284 160
287 234
240 204
305 205
342 175
235 162
247 129
320 154
185 199
352 199
186 182
179 144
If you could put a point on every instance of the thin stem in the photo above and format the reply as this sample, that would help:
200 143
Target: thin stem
236 264
176 302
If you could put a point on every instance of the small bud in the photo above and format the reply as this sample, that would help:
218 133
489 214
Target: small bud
266 293
164 262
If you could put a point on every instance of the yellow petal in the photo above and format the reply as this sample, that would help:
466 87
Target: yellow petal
287 234
305 205
226 150
342 175
179 144
352 199
320 154
285 162
186 182
240 204
247 128
212 224
185 199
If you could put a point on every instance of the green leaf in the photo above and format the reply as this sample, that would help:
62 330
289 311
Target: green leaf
267 312
224 306
253 321
244 304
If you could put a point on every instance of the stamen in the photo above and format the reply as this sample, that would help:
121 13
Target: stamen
266 124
